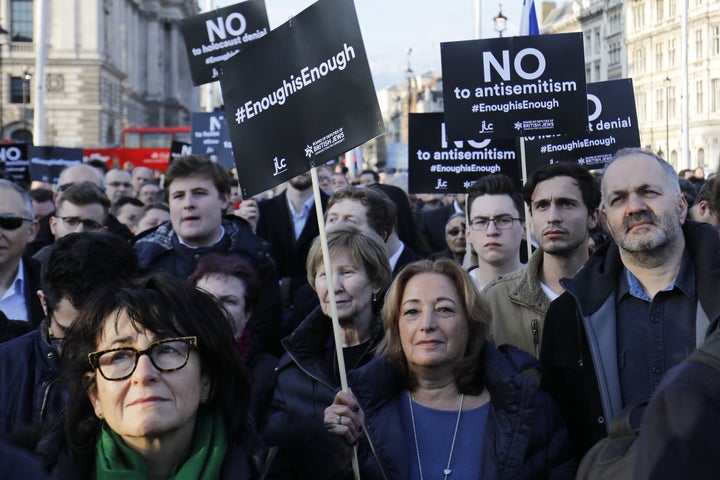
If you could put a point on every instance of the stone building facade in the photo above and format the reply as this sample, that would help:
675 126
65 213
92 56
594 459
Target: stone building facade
110 64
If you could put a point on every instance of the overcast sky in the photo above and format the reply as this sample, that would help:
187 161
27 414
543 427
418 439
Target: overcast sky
390 27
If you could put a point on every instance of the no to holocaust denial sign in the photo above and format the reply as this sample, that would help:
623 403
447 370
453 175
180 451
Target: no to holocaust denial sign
14 162
213 37
211 137
46 163
612 125
437 165
300 97
515 86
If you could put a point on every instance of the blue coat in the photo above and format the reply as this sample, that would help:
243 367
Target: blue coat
29 371
306 385
524 438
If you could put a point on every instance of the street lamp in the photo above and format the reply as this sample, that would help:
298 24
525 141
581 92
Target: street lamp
500 21
25 90
3 40
667 115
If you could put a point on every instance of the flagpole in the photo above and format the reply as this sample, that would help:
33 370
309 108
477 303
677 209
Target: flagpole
331 299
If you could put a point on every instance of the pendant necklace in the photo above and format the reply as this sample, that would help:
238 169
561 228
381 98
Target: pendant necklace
447 471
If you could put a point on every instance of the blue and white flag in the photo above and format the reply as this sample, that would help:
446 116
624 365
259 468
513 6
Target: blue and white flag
528 20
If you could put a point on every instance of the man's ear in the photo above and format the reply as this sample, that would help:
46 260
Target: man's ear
53 222
43 302
34 227
593 219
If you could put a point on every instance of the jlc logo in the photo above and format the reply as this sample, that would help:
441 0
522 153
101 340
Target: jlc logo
280 166
441 185
486 127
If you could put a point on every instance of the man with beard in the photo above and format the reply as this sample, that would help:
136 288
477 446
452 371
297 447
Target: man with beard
562 200
288 221
641 304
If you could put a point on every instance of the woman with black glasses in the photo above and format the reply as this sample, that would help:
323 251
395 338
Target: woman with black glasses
156 390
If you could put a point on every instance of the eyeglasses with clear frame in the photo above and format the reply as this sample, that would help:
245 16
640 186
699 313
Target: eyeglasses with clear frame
167 355
501 222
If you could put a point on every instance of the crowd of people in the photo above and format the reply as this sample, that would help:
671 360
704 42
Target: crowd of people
158 326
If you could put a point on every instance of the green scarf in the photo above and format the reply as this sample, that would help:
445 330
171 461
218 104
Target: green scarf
116 461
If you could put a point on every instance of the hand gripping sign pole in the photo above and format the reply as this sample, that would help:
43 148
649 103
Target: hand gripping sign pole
331 297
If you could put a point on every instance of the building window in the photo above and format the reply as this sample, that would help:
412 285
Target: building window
21 25
672 8
699 97
658 56
639 16
641 106
701 158
715 95
588 44
671 101
659 103
19 90
671 53
598 44
659 10
716 40
698 44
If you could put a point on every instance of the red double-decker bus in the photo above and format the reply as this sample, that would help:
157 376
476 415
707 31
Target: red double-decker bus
142 147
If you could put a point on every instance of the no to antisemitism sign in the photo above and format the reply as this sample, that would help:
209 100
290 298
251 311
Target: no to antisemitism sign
300 96
515 86
439 165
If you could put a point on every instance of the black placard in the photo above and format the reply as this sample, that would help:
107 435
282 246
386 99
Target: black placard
515 86
439 165
46 163
211 137
612 125
14 163
179 149
302 96
213 37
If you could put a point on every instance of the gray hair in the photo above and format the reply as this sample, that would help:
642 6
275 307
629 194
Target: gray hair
668 169
8 185
453 217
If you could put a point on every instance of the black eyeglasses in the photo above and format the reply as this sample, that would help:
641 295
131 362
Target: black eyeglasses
88 225
501 222
120 184
166 355
12 222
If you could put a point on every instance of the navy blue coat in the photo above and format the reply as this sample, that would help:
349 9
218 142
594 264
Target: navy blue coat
306 385
524 438
29 371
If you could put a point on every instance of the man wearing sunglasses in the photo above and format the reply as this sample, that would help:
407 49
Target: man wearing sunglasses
82 207
563 200
19 277
78 264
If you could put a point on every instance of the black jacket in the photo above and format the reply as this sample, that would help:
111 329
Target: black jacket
588 405
307 384
160 250
275 226
524 436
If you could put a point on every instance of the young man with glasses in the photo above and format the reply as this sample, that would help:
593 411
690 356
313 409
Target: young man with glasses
82 207
563 199
30 365
19 276
496 227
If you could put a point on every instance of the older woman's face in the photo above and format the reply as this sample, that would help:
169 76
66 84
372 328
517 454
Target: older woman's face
149 404
352 287
432 323
229 291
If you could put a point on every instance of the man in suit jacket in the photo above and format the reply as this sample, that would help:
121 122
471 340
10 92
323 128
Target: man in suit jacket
19 276
288 221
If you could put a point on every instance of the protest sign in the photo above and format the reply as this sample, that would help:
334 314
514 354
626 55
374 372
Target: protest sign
439 165
46 163
211 137
300 97
213 37
514 86
14 163
179 149
612 125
